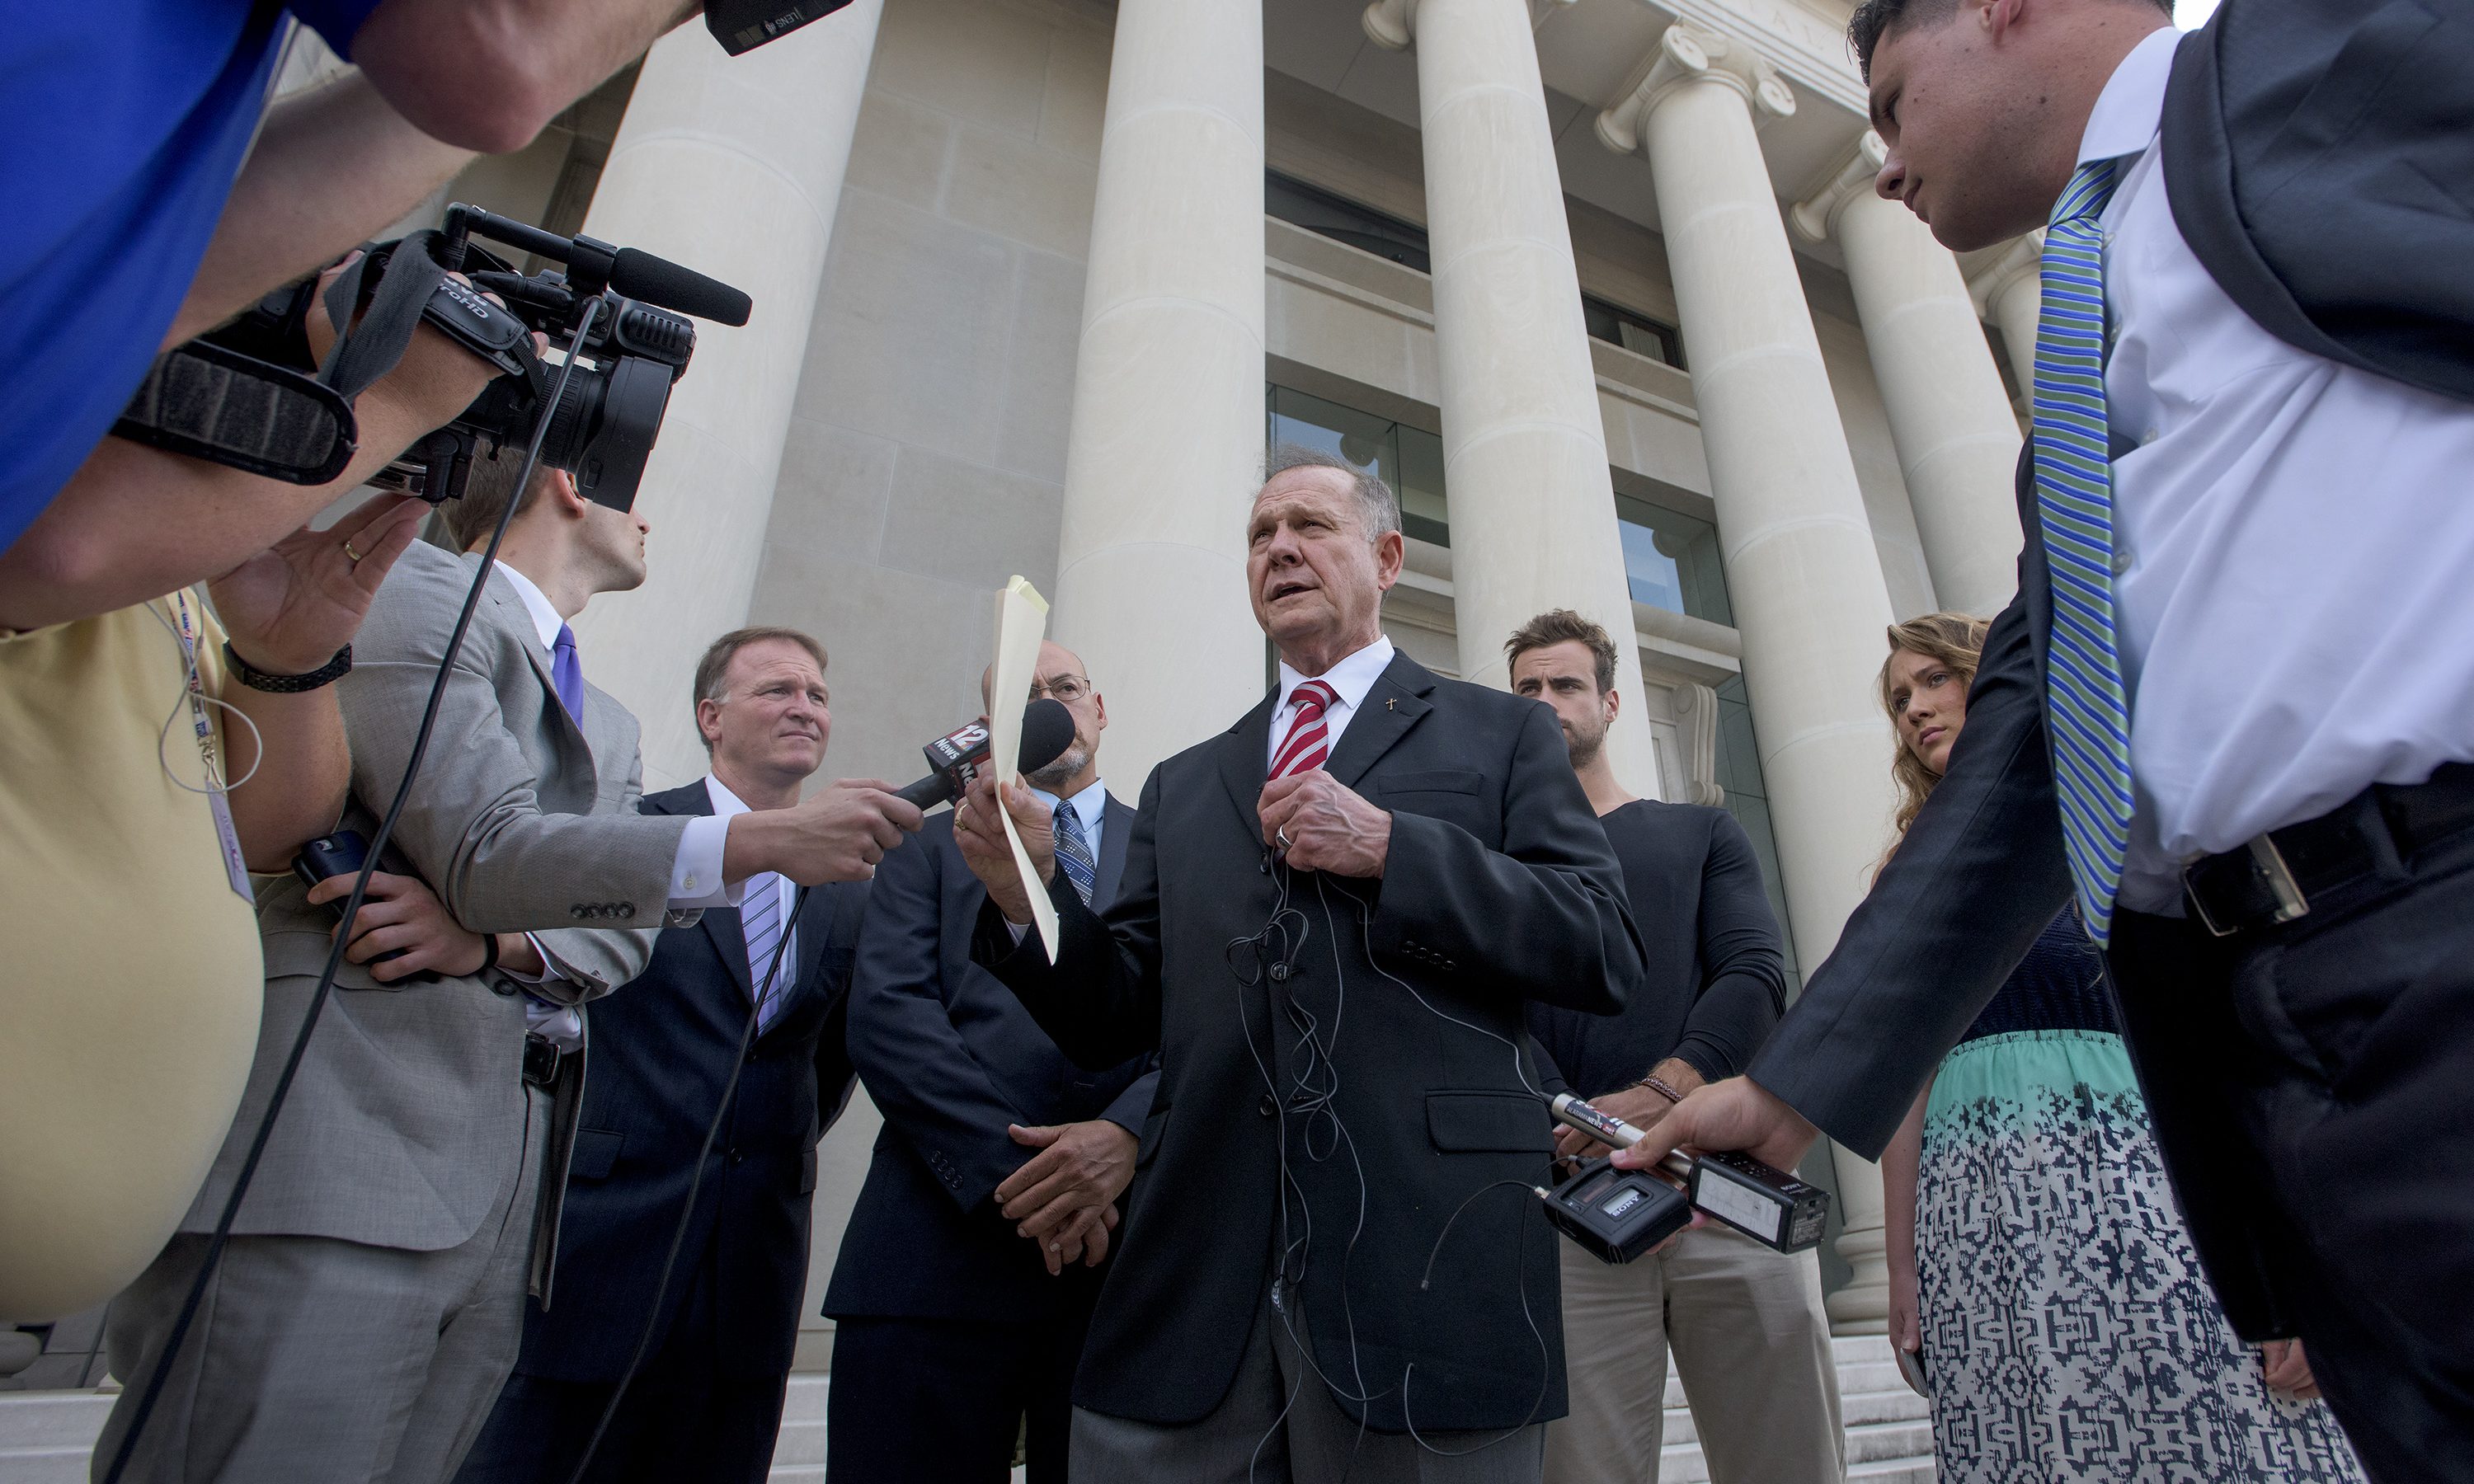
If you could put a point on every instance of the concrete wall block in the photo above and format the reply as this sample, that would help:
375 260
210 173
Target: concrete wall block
911 327
902 149
971 524
977 60
833 492
1022 189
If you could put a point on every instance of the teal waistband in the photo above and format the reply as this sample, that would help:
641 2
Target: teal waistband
2018 1065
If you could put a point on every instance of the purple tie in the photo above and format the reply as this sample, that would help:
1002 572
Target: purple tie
566 674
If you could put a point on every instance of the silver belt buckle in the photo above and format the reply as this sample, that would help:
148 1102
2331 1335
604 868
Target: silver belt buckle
2269 862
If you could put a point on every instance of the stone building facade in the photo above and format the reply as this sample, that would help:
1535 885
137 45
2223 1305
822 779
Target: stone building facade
1600 285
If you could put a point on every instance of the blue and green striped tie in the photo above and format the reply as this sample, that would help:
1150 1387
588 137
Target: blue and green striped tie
2085 701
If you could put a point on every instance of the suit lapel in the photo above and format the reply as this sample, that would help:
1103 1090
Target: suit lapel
512 612
1393 704
1119 823
719 924
1245 757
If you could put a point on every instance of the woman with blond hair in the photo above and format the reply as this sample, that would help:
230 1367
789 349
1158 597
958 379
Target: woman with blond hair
2040 1279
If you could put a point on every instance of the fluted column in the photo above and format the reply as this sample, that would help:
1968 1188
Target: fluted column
1802 572
1958 439
1532 511
2009 291
1166 448
731 166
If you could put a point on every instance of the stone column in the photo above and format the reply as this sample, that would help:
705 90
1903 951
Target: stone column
1958 439
731 166
1533 512
2009 291
1802 572
1165 447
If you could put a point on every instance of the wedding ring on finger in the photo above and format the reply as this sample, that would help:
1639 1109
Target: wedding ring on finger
350 554
1282 835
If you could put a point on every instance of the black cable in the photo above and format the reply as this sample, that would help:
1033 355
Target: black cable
318 997
695 1182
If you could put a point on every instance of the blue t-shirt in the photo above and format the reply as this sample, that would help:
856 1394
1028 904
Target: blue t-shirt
124 128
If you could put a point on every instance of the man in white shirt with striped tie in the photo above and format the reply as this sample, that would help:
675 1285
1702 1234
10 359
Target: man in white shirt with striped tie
2231 711
761 994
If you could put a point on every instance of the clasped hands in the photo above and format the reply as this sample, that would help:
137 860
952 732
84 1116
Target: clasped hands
1064 1197
1315 820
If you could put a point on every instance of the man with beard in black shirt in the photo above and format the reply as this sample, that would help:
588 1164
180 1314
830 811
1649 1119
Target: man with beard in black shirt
1745 1324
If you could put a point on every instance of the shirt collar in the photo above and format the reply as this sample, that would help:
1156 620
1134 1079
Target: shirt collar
1090 805
725 803
546 619
2127 112
1349 679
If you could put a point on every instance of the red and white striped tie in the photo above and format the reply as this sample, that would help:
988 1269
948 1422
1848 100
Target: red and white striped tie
1309 739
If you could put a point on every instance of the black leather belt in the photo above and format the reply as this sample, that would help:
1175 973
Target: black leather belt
2275 877
540 1059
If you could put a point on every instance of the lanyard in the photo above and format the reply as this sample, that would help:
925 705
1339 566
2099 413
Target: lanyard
218 802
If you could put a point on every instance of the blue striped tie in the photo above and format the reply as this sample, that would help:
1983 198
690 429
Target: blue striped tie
760 918
2084 702
1074 852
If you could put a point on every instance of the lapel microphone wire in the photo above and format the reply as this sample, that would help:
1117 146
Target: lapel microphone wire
221 1237
1276 949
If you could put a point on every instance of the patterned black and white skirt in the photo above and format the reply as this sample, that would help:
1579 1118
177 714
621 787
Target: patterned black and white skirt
2068 1333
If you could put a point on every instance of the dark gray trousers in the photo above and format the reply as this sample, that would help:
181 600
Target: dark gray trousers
1278 1424
315 1358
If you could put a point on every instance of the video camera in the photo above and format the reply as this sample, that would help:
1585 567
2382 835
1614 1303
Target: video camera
248 394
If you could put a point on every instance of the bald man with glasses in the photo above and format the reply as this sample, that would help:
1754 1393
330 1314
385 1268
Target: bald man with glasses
971 1264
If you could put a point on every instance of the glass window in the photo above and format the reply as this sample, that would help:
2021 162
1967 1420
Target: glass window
1672 560
1410 460
1343 220
1635 333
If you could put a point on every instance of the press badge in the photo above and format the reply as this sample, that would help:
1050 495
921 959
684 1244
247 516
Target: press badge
218 802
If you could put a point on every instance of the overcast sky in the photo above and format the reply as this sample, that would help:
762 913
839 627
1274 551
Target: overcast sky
2190 13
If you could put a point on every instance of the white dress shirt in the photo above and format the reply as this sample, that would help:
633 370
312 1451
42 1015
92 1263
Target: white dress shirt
727 806
1090 805
2294 538
1350 679
695 872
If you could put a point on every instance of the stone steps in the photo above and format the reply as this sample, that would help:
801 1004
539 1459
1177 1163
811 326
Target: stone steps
47 1436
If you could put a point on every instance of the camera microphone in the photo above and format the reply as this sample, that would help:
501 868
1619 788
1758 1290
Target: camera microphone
955 759
657 281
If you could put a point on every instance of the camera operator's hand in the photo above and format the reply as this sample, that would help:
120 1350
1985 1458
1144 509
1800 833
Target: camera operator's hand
838 833
435 379
285 612
288 608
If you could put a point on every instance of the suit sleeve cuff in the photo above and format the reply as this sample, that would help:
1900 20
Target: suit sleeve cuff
695 872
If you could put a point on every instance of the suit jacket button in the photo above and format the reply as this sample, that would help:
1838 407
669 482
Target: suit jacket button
576 911
626 909
1266 1107
736 1158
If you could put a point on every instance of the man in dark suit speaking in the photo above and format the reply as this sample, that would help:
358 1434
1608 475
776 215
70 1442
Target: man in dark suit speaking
1331 915
2231 710
707 1399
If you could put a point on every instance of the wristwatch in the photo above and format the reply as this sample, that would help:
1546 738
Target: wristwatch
326 673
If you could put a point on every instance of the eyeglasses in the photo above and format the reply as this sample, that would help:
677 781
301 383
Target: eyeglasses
1065 689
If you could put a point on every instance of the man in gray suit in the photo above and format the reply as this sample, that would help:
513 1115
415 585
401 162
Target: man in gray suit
370 1303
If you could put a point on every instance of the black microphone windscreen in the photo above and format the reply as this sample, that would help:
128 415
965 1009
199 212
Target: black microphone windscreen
657 281
1046 731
